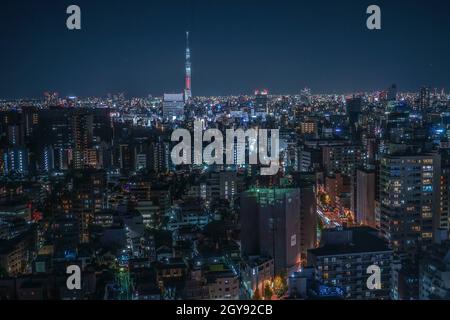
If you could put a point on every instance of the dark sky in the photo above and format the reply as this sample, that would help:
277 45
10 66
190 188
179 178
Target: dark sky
137 46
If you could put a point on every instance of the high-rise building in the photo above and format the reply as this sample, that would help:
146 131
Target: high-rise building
31 119
54 128
82 129
173 106
46 160
354 109
424 98
343 158
9 117
409 199
87 197
15 161
125 157
309 159
392 93
159 156
229 184
15 135
140 161
343 258
305 95
261 101
82 126
365 198
270 221
103 125
188 79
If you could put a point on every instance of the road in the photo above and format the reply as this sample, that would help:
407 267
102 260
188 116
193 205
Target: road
328 223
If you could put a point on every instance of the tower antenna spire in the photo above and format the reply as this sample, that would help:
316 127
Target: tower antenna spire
187 88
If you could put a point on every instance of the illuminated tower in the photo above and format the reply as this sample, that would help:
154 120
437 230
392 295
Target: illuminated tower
424 98
187 90
82 128
410 201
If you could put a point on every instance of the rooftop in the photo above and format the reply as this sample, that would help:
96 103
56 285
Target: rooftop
350 240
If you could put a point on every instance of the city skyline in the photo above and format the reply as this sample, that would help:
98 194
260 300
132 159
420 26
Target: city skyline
236 47
180 151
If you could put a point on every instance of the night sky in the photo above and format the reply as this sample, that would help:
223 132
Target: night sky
137 46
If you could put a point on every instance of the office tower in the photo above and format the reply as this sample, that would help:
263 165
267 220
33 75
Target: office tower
305 95
270 226
141 161
102 125
15 135
343 158
12 126
87 197
188 79
159 156
354 109
398 126
261 101
309 159
370 150
15 161
173 106
365 197
82 126
392 93
9 117
82 129
292 155
125 157
424 98
31 119
54 128
140 154
62 158
46 161
409 197
343 258
229 185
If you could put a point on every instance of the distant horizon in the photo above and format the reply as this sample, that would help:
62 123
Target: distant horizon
313 93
